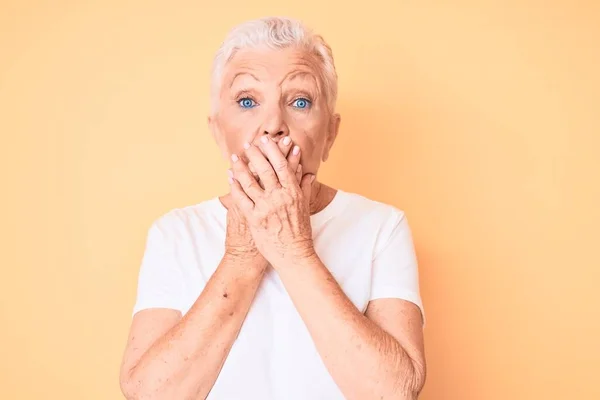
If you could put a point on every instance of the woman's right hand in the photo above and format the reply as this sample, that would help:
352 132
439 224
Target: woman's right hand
238 241
288 149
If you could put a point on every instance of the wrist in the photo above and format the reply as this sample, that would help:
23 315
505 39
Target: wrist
299 256
249 261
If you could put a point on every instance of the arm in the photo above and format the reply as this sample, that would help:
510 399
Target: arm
383 348
169 357
375 356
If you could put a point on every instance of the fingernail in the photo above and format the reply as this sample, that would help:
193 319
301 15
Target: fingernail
246 145
230 180
230 173
264 139
286 140
234 158
312 178
296 150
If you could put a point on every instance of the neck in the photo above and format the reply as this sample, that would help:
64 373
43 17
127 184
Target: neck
320 196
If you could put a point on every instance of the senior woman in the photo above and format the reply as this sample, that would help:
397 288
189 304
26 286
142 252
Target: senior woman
284 288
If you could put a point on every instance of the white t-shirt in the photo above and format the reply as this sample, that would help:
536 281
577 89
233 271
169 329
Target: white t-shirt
367 246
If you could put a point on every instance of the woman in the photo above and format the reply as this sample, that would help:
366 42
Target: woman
285 288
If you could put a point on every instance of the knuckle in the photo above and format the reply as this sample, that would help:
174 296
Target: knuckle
293 192
281 164
264 170
259 215
277 197
248 184
261 166
253 185
284 198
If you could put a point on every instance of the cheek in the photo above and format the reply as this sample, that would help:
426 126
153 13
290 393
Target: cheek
236 128
309 136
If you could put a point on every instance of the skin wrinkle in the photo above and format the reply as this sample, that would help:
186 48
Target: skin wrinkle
242 73
205 334
274 82
290 77
294 71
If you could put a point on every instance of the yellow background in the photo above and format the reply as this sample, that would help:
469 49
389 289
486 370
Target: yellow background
479 119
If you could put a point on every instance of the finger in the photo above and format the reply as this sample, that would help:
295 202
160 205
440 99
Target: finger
262 166
255 175
240 198
278 161
299 174
306 186
292 153
242 174
294 159
285 145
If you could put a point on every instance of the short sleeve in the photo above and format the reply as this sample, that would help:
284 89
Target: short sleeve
395 268
160 281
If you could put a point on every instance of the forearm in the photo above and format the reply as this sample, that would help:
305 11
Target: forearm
364 360
186 361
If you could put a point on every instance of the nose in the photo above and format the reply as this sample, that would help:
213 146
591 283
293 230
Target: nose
274 124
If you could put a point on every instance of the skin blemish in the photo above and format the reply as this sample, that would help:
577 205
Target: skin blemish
273 81
225 295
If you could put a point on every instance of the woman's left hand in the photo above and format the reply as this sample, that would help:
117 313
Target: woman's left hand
278 215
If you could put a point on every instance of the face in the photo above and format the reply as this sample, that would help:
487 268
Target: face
277 93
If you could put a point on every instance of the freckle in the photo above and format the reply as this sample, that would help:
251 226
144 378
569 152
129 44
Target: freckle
225 295
231 313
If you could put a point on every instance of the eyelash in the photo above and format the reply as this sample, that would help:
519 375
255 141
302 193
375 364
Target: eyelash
247 98
255 103
305 99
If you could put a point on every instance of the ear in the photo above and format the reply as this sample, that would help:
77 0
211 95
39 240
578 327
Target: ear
334 127
213 126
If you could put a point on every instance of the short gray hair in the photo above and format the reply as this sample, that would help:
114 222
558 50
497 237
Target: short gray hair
275 33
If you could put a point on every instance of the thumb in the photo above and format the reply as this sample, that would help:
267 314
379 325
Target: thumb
306 185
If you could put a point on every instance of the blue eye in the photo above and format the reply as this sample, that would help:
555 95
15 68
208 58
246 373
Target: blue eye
301 103
247 102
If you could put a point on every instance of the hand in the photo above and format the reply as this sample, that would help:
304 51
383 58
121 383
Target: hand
292 154
277 212
238 241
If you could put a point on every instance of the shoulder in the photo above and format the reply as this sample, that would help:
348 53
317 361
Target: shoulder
377 219
373 210
178 221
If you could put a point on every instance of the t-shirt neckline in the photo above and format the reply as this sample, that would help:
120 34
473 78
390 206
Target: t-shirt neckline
335 206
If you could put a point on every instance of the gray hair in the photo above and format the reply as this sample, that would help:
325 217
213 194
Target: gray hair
275 33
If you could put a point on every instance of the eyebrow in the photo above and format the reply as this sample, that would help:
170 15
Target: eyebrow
243 73
293 75
312 78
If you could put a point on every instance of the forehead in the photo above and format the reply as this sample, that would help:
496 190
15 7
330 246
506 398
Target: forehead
277 65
